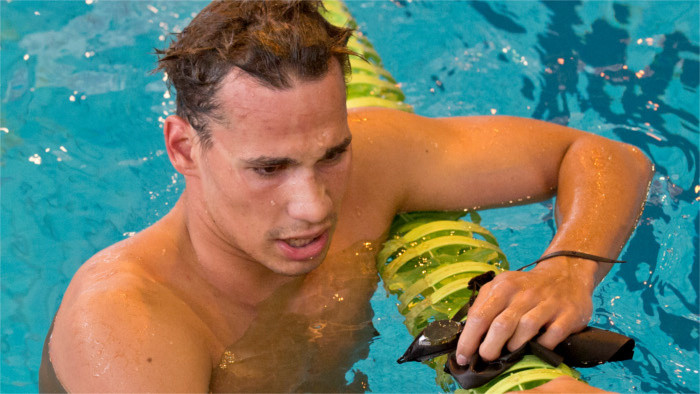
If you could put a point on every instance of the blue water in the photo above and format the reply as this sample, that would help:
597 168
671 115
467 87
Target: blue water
83 163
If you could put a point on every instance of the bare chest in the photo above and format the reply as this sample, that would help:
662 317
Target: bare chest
309 333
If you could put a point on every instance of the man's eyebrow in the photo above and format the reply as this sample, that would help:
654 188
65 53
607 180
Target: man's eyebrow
340 148
267 161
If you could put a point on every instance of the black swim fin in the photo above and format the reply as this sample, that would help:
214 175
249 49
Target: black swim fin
587 348
594 346
439 337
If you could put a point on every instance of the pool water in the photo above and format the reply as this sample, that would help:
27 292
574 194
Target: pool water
83 163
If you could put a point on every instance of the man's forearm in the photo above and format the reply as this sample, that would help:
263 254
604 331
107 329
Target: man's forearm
601 186
601 190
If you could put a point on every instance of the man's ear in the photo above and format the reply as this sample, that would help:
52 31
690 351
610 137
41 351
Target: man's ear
181 143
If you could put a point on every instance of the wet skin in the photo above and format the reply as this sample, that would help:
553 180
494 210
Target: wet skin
290 178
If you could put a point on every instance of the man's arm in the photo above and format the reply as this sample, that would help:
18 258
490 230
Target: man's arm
601 187
482 162
117 337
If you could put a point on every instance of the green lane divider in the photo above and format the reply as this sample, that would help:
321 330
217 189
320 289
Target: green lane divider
470 269
428 264
370 85
429 257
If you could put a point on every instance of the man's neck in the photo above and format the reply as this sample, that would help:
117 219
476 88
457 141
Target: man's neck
229 271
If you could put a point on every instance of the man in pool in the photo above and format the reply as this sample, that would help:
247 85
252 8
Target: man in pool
260 276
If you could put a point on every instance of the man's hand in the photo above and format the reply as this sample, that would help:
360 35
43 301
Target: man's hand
515 306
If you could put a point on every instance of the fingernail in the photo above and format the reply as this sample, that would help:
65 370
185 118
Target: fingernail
461 360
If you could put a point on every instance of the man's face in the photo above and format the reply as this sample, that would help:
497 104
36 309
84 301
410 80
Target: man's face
273 178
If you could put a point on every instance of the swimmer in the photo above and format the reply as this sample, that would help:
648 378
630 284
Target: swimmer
259 278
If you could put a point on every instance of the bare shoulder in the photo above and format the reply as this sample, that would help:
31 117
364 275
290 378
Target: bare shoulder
119 330
379 122
372 198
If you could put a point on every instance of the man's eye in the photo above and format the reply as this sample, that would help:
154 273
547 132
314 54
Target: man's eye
267 171
334 157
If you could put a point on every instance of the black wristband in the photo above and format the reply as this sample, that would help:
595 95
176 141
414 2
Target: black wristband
573 253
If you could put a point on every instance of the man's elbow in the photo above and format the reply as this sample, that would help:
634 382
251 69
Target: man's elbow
625 163
638 164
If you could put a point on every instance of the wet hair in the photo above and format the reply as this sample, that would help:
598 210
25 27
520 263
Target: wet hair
272 41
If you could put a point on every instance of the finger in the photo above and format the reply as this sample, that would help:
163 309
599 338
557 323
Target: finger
504 326
481 314
499 332
531 323
563 326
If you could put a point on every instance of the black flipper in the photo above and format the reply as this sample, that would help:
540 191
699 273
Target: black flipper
594 346
478 372
586 348
439 337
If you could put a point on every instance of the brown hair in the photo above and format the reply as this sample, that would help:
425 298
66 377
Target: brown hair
272 41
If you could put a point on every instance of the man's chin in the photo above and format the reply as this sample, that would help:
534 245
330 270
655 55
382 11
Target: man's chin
298 268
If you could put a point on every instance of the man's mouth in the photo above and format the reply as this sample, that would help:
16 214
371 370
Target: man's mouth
300 242
304 248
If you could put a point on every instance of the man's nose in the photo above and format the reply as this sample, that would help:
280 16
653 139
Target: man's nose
309 200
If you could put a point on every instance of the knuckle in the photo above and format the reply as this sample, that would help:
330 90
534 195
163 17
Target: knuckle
529 323
504 322
504 286
531 294
476 321
499 325
557 330
486 288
